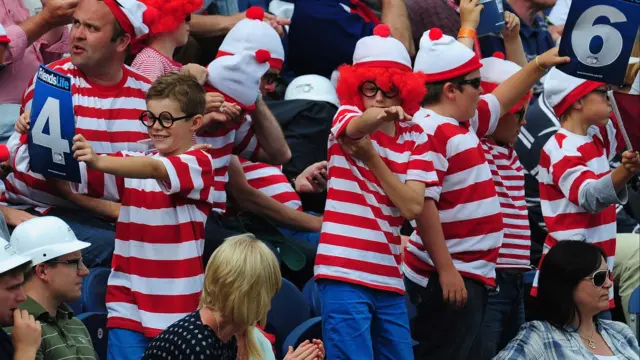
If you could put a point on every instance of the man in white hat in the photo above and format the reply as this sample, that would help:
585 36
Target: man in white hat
25 339
55 277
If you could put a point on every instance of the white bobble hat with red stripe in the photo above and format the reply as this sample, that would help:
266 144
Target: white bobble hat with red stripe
252 34
237 77
442 57
562 90
494 71
134 17
4 39
381 50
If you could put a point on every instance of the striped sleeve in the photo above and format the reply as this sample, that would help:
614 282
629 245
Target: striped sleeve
420 167
148 66
99 185
486 119
190 175
245 142
569 172
342 118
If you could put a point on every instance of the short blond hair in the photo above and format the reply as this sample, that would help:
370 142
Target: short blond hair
241 277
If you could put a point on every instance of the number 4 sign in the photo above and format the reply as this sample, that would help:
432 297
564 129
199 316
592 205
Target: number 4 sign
52 127
599 37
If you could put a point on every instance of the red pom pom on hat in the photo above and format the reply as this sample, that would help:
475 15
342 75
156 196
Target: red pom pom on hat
435 34
382 30
499 55
262 56
4 153
255 13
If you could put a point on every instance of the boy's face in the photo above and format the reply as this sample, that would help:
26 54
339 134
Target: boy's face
269 81
467 96
508 129
176 136
374 96
596 108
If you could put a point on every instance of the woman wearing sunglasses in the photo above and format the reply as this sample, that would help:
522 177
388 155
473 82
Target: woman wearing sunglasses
573 288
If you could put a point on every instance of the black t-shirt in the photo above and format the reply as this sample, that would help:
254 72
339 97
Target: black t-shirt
190 339
6 346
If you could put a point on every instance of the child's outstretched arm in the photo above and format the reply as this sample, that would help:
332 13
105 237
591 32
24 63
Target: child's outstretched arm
372 119
517 86
514 51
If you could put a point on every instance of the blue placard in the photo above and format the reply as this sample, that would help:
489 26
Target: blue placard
598 37
53 127
491 17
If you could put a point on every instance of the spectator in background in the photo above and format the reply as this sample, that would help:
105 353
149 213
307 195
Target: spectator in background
55 278
323 33
534 33
38 36
557 18
25 337
573 289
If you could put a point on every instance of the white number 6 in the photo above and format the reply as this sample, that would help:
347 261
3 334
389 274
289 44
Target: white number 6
584 31
50 113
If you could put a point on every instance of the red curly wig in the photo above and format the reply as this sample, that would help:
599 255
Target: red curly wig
174 13
410 85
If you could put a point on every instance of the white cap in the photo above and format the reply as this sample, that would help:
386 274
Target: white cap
252 34
4 39
134 17
441 57
9 258
237 77
562 90
45 238
312 87
381 50
494 71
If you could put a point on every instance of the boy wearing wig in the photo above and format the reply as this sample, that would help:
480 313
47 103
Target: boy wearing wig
578 189
357 264
452 255
166 196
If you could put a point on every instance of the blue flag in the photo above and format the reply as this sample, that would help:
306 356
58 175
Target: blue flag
53 127
598 37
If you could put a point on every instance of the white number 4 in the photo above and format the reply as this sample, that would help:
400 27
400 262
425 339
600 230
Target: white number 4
50 113
584 31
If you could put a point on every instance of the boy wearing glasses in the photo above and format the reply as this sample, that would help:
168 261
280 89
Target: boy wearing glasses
166 196
452 255
54 279
578 190
357 266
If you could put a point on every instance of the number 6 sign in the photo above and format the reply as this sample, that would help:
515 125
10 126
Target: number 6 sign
599 37
52 127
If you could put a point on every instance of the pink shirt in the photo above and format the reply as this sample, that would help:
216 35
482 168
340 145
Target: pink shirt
22 60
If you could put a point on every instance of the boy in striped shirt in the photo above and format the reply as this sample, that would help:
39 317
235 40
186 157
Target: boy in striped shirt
357 264
578 190
452 255
166 196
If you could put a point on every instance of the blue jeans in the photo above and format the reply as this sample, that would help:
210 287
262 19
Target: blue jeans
503 316
442 331
363 323
126 345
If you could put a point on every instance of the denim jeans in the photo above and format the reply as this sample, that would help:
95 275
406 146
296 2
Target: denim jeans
126 345
503 316
363 323
440 330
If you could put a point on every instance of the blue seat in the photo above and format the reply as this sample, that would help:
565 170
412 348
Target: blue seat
312 295
77 306
94 290
634 312
289 309
96 324
308 330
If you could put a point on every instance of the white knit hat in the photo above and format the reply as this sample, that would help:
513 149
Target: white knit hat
381 50
494 71
237 77
312 87
134 17
441 57
252 34
4 39
562 90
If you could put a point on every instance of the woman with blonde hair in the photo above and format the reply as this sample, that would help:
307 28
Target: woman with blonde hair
240 279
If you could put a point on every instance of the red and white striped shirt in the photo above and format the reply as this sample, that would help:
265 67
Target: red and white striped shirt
272 182
360 238
238 140
157 275
465 196
107 116
567 163
152 64
508 177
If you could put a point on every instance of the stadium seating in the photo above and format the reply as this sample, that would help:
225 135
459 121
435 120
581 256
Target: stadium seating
289 308
634 312
96 323
94 290
310 292
308 330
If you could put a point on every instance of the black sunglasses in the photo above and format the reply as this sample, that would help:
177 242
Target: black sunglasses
166 119
77 262
602 91
475 82
370 89
600 277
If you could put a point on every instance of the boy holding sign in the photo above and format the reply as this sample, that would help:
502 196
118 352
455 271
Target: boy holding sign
166 196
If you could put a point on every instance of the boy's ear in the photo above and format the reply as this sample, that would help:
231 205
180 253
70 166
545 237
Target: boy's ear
196 122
